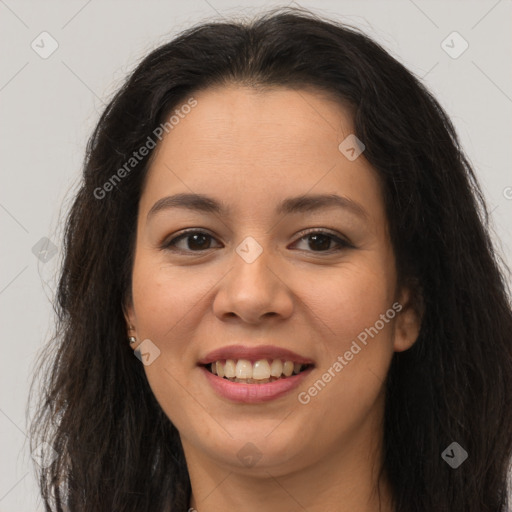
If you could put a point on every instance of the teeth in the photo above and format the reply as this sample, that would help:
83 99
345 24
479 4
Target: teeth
261 371
276 368
243 369
229 368
287 368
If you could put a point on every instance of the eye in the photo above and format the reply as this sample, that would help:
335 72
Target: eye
197 241
321 241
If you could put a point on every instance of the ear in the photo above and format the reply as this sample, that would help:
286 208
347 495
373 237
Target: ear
129 316
408 320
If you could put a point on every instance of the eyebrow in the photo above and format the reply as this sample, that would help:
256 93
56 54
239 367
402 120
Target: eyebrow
291 205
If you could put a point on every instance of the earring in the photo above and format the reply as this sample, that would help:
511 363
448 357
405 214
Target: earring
132 339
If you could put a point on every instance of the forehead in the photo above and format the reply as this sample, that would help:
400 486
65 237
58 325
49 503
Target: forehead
243 144
260 118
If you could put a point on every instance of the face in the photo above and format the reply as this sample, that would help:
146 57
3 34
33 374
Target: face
264 276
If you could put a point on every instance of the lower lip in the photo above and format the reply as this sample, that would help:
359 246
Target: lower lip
254 393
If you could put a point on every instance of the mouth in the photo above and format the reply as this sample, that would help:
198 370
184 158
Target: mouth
261 371
254 374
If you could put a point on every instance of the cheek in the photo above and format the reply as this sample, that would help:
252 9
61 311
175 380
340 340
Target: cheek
163 298
350 299
164 305
354 308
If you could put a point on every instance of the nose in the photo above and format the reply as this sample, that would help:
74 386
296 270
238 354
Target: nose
254 290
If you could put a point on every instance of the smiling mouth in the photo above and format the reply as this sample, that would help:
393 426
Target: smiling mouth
261 371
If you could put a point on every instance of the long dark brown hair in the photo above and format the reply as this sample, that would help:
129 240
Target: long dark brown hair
116 449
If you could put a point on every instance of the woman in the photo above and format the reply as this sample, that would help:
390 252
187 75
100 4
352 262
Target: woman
276 218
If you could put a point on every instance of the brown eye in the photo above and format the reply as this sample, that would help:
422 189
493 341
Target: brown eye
194 241
321 241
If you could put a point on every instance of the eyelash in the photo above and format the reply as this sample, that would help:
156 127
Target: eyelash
343 244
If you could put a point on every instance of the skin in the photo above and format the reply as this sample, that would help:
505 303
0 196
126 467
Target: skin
252 149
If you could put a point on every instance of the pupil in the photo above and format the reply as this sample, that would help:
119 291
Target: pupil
195 237
326 239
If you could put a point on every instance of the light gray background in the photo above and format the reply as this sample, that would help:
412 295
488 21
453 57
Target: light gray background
49 108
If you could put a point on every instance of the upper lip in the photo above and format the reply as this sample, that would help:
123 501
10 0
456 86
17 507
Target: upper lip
253 354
